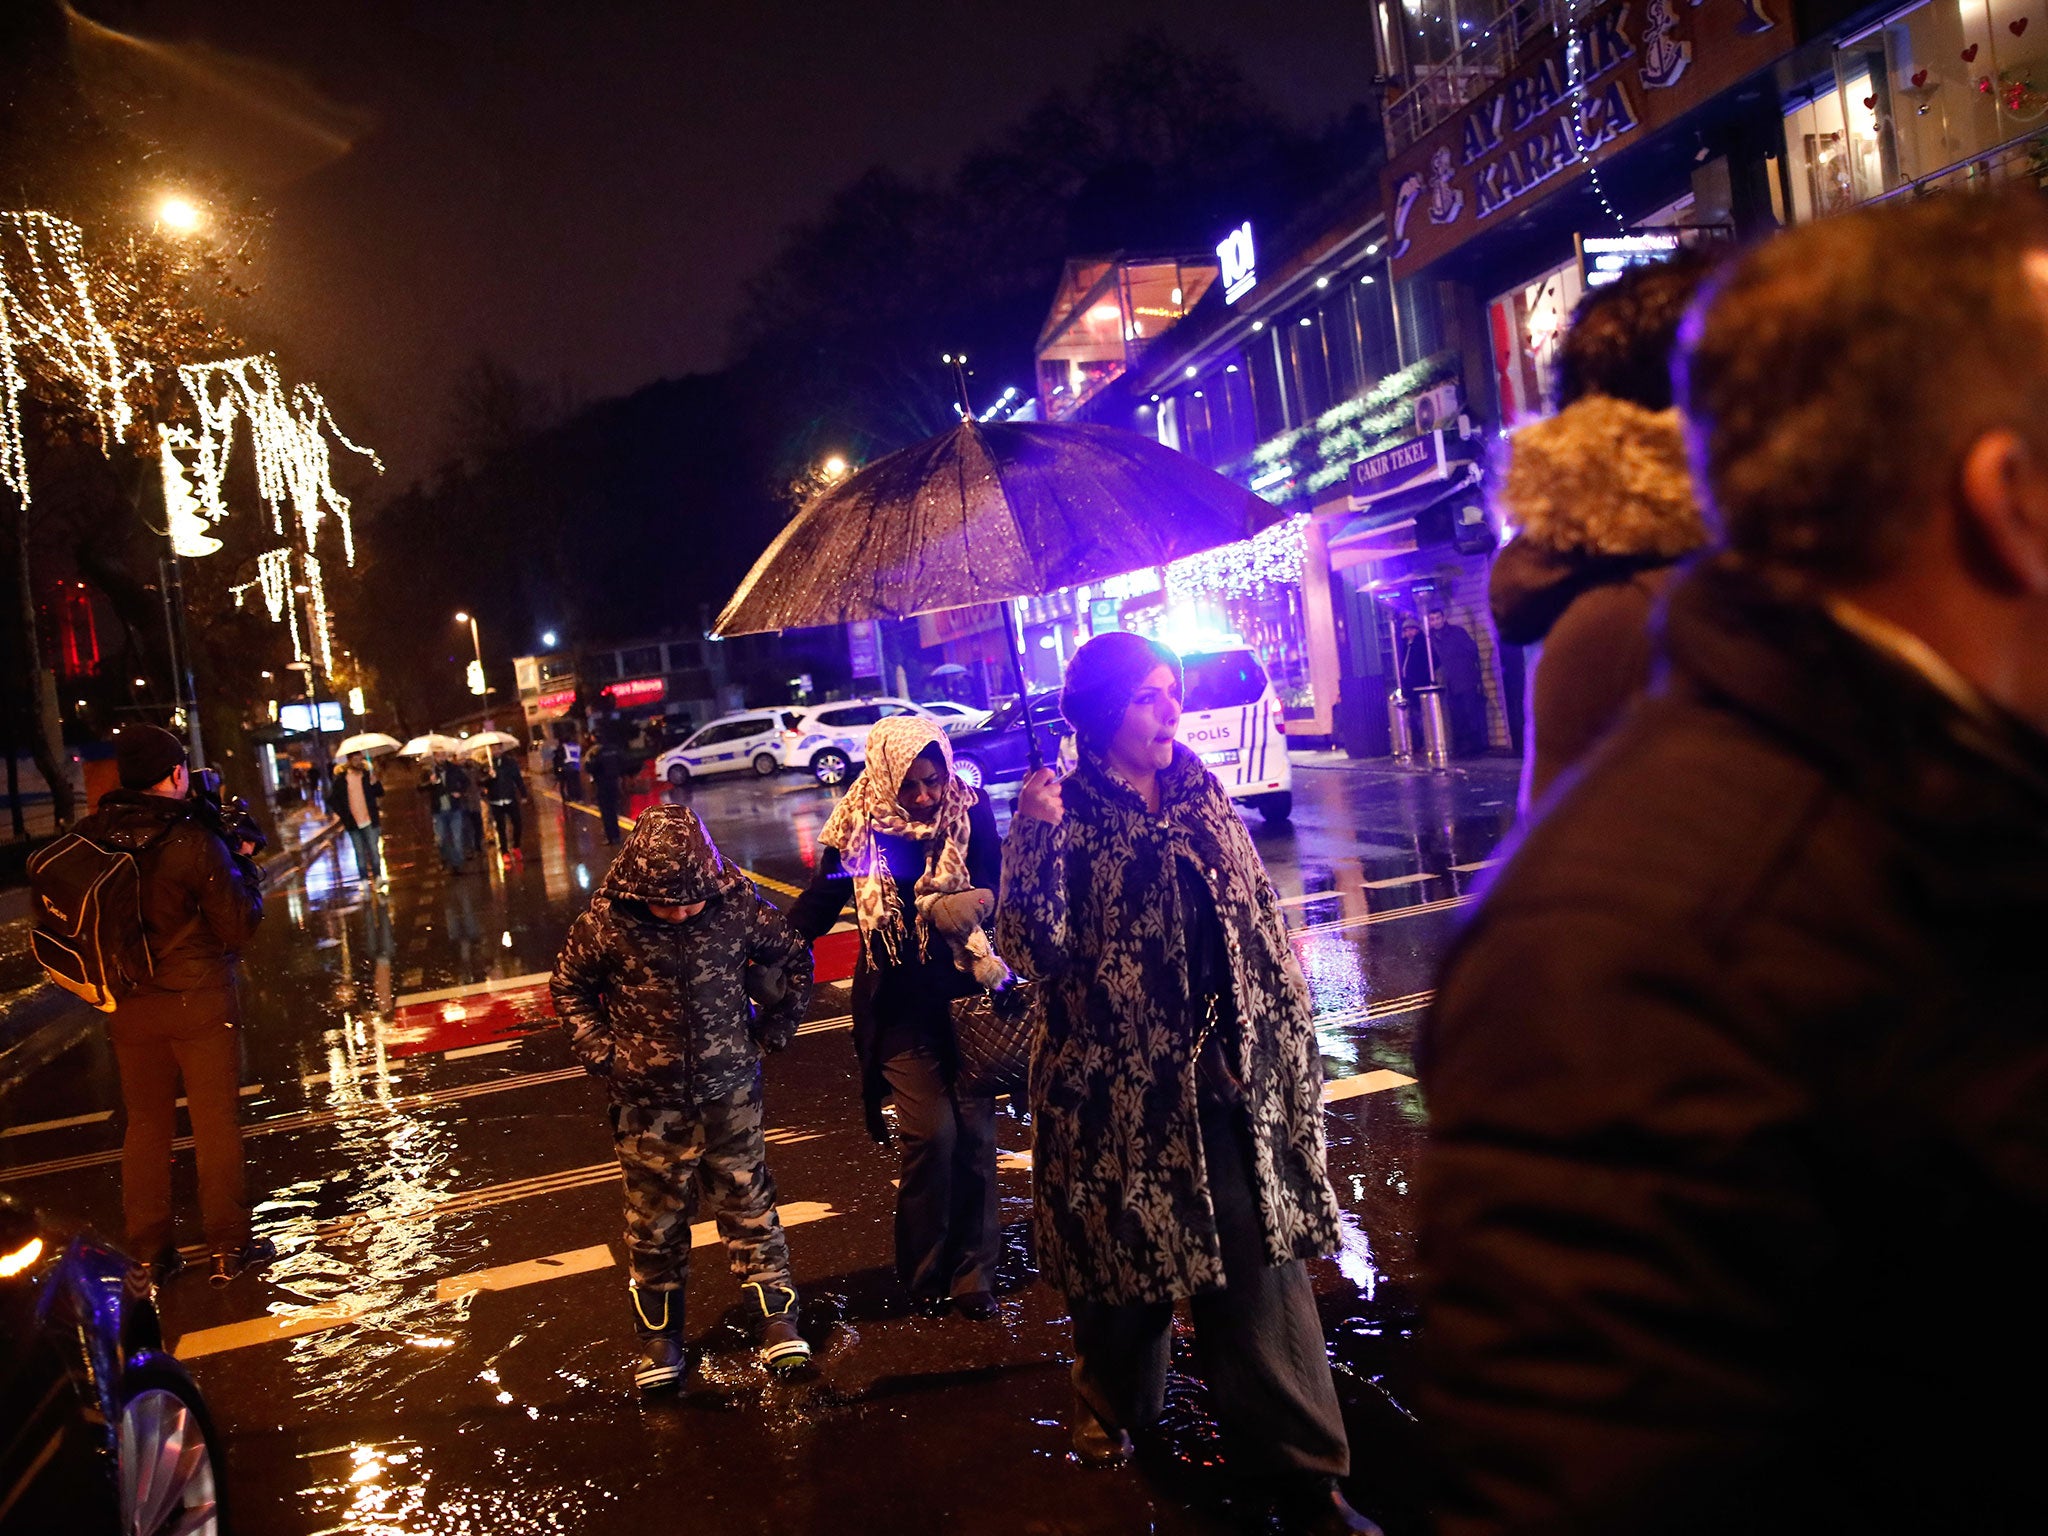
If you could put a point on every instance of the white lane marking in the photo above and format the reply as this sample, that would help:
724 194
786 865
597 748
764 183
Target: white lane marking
1014 1162
825 1026
58 1125
247 1091
476 988
1307 897
288 1324
1397 880
1366 1082
478 1050
1391 915
1466 869
508 1277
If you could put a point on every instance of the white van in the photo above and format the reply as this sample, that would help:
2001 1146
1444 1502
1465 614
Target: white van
1230 718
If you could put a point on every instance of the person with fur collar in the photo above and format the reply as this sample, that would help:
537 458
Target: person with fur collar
1602 500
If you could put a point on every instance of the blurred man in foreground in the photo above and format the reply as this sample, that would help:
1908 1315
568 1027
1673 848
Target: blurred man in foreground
1738 1190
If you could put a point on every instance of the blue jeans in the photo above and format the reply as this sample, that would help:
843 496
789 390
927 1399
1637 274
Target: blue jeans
368 865
451 832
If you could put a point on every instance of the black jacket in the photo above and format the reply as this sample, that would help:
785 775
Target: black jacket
200 903
660 1010
506 782
1736 1200
337 797
446 787
906 1006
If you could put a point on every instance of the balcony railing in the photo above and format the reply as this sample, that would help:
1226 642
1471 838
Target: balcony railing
1440 89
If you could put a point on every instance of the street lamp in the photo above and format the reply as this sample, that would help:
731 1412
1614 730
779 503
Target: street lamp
180 215
548 641
476 668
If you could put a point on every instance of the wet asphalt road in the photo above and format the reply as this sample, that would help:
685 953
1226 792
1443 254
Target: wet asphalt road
442 1345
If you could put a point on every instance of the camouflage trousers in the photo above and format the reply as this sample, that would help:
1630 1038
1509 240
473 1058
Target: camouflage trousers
667 1156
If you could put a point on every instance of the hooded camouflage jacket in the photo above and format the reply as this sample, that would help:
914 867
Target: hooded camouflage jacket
660 1010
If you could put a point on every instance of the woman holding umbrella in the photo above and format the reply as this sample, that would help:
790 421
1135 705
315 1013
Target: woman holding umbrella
916 851
1176 1090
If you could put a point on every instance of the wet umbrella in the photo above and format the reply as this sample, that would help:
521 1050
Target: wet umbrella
985 513
420 746
490 741
369 743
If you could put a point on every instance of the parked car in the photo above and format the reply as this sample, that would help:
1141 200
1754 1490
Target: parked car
1231 718
101 1430
833 738
998 752
750 741
955 718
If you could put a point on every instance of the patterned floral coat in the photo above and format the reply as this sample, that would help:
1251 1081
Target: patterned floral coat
1092 908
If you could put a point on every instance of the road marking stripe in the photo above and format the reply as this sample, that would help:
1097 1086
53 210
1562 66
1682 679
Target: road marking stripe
246 1091
508 1277
1397 880
825 1026
470 989
58 1125
1366 1082
464 1052
278 1325
1391 915
1308 897
1466 869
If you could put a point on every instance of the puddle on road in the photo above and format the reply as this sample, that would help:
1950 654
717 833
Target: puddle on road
386 1489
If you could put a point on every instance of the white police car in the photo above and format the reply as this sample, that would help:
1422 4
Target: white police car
750 741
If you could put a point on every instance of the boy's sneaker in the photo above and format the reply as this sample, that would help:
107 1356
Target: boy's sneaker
230 1262
782 1349
658 1319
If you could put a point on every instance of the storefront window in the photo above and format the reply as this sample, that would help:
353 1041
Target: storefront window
1269 390
1528 325
1938 85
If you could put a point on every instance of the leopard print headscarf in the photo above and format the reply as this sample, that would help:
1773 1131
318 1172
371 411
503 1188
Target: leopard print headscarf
870 808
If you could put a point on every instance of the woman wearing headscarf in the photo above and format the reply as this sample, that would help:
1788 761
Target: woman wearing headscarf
917 853
1176 1089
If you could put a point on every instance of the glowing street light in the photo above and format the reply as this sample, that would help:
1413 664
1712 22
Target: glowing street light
476 668
834 467
549 641
180 215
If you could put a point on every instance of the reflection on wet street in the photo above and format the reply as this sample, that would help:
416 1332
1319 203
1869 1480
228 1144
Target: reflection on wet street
442 1344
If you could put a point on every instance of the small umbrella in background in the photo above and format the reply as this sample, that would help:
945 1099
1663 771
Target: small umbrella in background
489 741
947 669
985 513
369 743
420 746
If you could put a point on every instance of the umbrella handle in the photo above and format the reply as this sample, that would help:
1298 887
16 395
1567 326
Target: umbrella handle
1015 636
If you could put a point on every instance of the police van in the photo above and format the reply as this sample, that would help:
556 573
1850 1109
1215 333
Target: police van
1230 718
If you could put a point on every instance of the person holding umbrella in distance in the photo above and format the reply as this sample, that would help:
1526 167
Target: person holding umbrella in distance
1176 1090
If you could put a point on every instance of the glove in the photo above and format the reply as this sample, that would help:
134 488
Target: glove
767 985
958 915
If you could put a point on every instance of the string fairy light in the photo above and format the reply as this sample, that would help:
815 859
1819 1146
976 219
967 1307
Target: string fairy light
289 432
1264 563
316 591
186 526
47 310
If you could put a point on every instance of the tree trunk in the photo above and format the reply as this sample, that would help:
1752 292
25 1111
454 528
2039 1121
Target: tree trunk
47 747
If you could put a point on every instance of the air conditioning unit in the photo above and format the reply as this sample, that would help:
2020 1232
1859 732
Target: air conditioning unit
1437 408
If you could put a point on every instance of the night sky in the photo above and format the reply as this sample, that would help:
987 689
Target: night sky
582 190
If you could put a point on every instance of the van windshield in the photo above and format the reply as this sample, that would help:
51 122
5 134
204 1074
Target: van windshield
1225 680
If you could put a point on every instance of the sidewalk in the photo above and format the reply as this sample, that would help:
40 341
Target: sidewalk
39 1022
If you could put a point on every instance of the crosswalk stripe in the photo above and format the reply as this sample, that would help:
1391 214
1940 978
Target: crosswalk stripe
58 1125
1366 1082
267 1329
475 988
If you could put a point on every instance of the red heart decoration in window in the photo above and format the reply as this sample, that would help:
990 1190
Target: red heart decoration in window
1869 103
1970 54
2017 27
1919 78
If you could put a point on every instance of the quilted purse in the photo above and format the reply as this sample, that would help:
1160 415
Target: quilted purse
992 1032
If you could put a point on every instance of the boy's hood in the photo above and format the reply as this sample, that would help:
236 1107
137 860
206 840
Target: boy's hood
1603 478
668 860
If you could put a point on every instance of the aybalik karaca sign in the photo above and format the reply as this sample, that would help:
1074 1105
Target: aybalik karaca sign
1627 70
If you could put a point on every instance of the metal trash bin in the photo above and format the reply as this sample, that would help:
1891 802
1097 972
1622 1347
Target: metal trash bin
1436 728
1398 733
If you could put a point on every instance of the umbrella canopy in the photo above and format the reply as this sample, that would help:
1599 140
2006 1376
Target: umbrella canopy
948 669
370 744
988 512
420 746
489 741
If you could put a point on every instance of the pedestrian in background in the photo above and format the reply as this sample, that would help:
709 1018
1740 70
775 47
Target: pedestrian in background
1459 672
572 769
652 987
506 790
201 903
916 851
607 768
1603 502
446 787
1176 1090
352 799
1736 1192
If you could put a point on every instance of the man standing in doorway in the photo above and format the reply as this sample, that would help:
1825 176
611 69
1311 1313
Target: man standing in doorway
1458 673
201 902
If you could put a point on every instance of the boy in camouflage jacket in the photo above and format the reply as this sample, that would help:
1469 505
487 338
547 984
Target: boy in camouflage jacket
653 987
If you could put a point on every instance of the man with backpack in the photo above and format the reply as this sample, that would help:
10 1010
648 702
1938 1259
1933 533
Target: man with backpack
200 903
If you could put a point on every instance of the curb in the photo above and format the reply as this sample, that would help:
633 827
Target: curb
43 1022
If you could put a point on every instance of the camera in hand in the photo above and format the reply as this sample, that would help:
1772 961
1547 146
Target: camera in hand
226 815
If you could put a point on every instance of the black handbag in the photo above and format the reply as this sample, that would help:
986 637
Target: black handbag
992 1034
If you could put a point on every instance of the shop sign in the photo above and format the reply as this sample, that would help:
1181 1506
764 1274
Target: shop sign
1603 258
641 690
1419 461
864 648
555 703
1631 68
1240 263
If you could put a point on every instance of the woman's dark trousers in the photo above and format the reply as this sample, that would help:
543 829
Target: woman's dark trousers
1258 1341
948 1221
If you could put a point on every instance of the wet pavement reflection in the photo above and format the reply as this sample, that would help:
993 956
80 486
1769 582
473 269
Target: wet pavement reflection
441 1345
